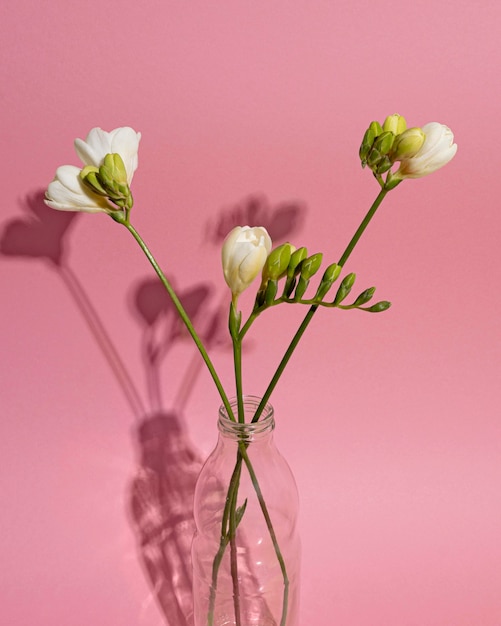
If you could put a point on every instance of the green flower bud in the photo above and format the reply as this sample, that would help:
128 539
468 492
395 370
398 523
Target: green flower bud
384 165
408 144
382 146
330 275
384 142
370 135
113 177
365 296
270 292
115 169
366 145
376 128
90 177
392 181
395 123
311 265
109 180
277 262
345 288
384 305
296 258
302 286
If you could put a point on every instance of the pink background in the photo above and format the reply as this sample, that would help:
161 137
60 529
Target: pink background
391 423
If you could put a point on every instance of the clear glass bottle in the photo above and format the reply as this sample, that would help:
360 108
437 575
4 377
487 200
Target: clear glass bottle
246 548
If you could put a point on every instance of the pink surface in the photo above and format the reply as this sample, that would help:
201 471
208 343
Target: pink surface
391 423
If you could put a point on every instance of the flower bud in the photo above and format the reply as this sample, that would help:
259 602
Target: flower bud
109 180
380 149
296 258
270 292
370 135
437 150
113 169
384 305
376 128
408 144
364 297
244 254
330 275
311 265
345 288
395 124
277 262
90 177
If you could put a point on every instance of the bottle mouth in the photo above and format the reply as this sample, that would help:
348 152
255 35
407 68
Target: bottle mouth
248 430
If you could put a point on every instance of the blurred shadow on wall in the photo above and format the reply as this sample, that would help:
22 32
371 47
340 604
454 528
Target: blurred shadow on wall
281 221
42 235
161 493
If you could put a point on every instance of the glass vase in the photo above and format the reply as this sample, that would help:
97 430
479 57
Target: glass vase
246 548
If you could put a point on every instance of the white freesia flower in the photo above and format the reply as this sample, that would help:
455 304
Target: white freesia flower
244 254
99 143
437 150
68 193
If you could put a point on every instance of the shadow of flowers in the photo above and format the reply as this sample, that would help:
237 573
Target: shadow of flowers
161 491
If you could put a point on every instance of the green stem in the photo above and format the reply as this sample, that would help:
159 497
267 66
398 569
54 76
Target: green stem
228 534
284 361
312 310
271 530
182 313
231 500
234 557
248 324
237 361
362 227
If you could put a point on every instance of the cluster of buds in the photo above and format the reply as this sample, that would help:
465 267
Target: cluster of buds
420 151
385 144
297 268
109 180
247 252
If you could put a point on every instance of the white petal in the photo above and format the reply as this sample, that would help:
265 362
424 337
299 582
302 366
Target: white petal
67 193
438 149
123 141
95 147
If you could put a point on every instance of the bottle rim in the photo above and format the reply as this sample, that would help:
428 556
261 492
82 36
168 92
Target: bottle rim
247 430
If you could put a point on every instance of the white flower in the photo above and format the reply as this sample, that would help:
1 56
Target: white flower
99 143
68 193
244 254
437 150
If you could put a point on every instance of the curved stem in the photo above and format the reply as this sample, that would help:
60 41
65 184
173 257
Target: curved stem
312 310
182 313
248 324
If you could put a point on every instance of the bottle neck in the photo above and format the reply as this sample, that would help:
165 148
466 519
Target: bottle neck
246 431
